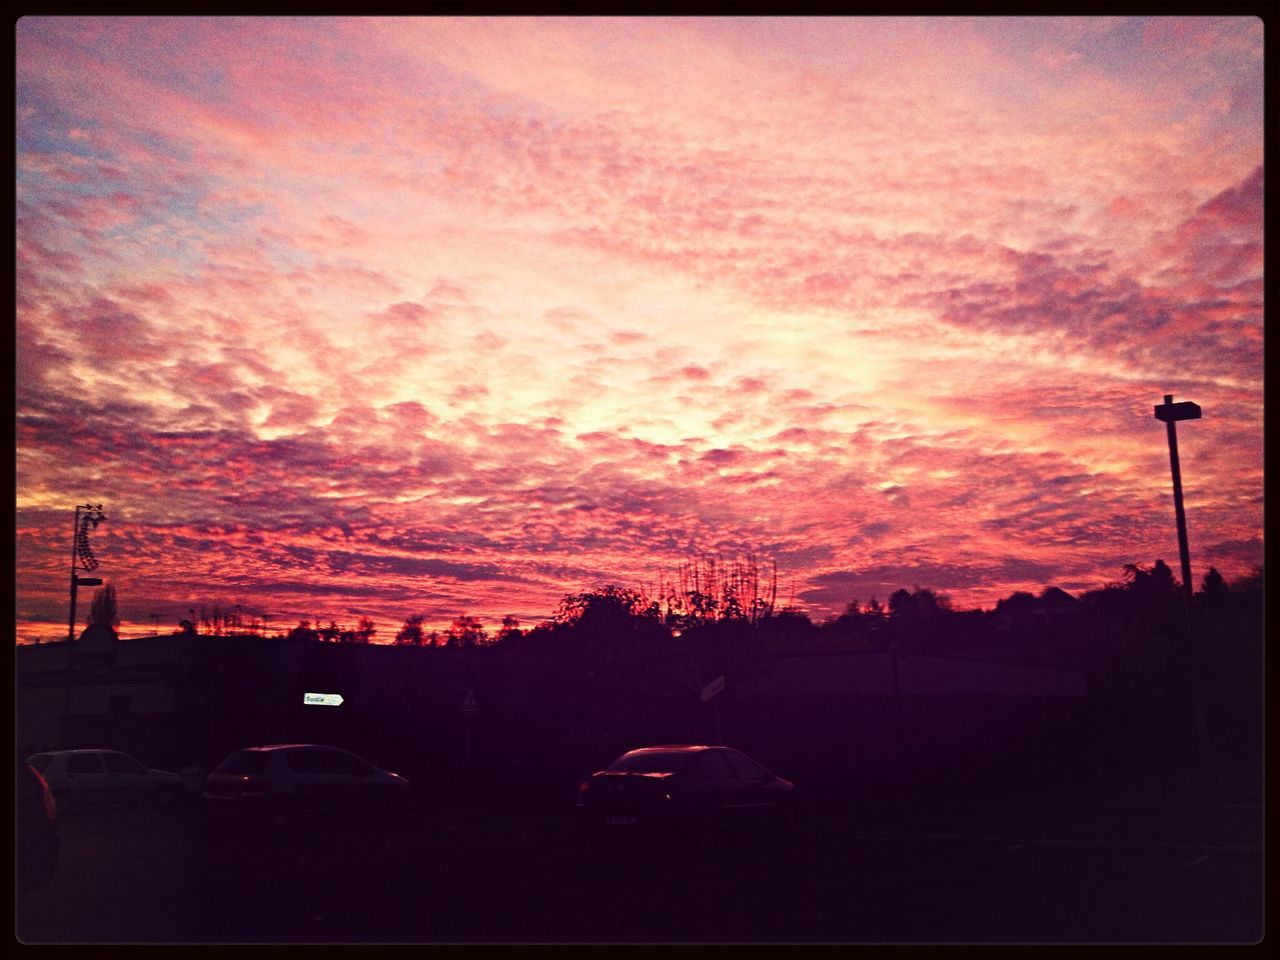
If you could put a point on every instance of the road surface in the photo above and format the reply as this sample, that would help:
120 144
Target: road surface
972 875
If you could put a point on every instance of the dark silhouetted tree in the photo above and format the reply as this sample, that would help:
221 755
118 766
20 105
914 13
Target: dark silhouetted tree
103 617
510 630
710 589
613 649
1214 584
1158 583
411 632
922 603
609 606
363 633
1018 604
1249 584
465 631
303 631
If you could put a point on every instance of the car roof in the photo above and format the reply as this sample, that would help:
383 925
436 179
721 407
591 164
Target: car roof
685 747
280 746
63 753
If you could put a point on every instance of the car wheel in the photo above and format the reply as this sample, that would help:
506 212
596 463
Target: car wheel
282 811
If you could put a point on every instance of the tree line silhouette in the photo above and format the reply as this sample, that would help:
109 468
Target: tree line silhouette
725 614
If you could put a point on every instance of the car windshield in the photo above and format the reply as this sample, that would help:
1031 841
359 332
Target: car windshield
651 761
244 761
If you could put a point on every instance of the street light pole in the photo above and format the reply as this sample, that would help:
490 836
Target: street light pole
81 556
75 542
1171 413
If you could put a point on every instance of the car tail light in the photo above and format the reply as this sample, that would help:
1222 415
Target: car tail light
583 788
46 795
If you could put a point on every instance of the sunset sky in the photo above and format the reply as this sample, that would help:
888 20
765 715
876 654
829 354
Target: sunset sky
456 316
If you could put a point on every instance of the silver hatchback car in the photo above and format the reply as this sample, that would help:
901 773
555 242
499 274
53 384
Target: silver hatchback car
87 778
282 781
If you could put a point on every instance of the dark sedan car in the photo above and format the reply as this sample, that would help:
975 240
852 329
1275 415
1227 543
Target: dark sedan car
684 789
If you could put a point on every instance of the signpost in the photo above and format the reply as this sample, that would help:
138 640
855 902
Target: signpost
710 692
469 710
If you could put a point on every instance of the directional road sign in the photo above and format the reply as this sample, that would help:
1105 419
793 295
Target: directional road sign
322 699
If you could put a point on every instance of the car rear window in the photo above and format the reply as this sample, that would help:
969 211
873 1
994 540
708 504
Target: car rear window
655 761
244 761
327 762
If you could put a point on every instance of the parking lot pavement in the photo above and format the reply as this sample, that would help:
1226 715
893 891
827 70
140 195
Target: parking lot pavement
1236 826
136 876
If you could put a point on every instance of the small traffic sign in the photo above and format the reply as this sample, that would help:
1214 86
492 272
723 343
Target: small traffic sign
323 699
712 688
469 703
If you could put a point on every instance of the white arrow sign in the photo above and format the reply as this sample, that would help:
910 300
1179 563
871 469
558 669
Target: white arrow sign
323 699
712 688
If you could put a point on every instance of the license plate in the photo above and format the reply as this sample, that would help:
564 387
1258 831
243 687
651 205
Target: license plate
621 821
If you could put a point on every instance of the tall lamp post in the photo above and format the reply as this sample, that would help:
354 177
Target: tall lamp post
81 558
1171 413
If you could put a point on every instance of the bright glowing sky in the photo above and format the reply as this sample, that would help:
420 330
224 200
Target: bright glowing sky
445 316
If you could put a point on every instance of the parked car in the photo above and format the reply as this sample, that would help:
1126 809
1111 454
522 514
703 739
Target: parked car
37 842
702 790
82 778
283 781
